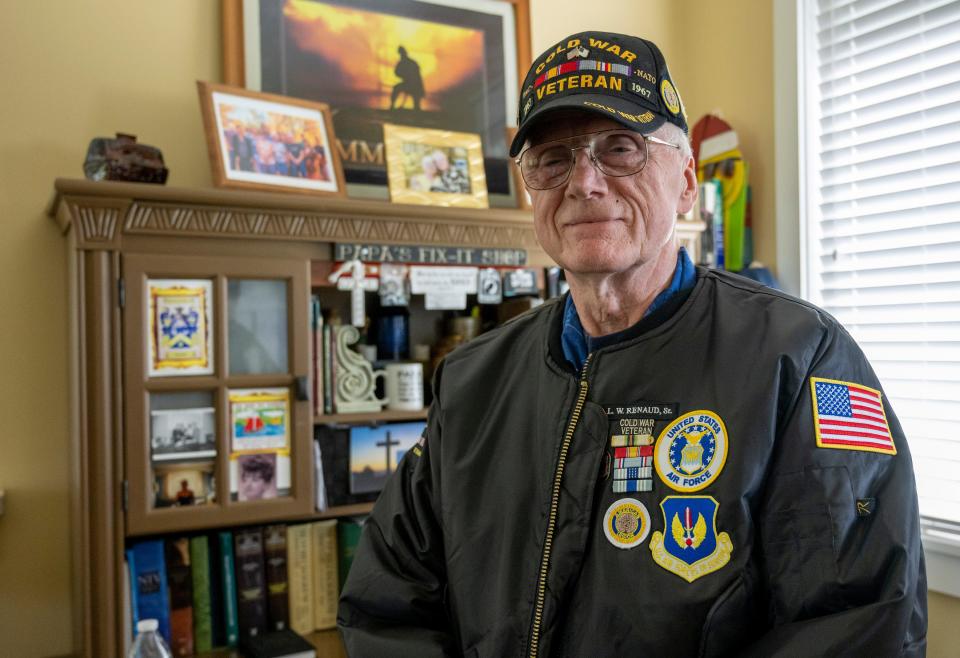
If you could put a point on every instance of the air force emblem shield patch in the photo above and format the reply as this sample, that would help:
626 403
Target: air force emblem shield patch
690 546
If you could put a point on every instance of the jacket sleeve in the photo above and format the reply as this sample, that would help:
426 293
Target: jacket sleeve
838 532
392 603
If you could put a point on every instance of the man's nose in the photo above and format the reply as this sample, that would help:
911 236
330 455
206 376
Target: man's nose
586 179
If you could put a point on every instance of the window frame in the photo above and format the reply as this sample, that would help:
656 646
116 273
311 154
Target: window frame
793 146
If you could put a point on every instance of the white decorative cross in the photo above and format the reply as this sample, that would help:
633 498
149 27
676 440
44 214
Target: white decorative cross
357 285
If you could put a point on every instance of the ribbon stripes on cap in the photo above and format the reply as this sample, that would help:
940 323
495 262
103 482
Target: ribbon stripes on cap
582 65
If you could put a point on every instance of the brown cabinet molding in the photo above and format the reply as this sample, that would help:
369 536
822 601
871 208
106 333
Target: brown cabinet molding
104 212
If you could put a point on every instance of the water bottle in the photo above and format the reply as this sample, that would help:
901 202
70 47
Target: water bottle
149 644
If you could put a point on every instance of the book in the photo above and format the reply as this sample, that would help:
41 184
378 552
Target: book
127 603
320 501
179 582
230 623
348 536
148 570
200 574
300 567
711 212
251 582
325 582
317 345
275 562
327 344
277 644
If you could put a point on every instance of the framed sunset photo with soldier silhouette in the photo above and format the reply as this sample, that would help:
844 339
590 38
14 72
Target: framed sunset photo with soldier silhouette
431 64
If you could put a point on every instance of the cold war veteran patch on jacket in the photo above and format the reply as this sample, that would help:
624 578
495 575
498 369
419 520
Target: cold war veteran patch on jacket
850 416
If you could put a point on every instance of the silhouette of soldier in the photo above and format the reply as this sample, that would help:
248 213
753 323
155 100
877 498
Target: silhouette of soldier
411 83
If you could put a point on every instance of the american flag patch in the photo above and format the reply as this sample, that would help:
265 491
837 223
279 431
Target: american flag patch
850 417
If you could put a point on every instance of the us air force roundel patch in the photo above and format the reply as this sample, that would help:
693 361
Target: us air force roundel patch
690 545
626 523
691 451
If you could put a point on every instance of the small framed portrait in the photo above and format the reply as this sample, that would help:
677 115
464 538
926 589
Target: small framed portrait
435 167
519 188
184 483
259 419
259 475
269 142
182 434
180 313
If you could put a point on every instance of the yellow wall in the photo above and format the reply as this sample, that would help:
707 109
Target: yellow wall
71 71
74 71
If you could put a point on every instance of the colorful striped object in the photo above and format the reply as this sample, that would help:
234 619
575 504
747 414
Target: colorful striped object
633 451
631 462
632 473
582 65
625 486
621 440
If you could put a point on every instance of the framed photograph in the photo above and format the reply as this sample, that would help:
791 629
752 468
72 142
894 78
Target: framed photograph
268 142
435 167
259 475
259 419
444 64
184 483
375 453
182 434
520 189
180 313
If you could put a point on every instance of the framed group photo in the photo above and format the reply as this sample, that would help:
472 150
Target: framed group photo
269 142
436 64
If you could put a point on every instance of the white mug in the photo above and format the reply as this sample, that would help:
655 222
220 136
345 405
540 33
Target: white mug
404 386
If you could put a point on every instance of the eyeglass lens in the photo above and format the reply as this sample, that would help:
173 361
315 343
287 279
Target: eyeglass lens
616 153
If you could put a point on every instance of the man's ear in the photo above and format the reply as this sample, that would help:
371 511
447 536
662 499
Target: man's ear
690 189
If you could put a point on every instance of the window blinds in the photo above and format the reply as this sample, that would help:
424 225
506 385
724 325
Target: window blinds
882 181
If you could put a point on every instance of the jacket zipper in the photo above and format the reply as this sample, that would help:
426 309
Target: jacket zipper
552 518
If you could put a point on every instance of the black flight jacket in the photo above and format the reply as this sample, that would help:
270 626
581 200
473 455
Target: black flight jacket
493 538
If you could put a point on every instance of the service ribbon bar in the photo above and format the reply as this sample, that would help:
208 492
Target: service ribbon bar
632 451
582 65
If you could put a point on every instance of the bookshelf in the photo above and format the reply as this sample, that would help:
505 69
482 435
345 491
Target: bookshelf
120 239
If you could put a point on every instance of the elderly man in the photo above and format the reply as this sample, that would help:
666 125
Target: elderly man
669 461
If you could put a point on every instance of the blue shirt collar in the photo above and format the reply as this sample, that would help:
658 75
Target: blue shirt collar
577 344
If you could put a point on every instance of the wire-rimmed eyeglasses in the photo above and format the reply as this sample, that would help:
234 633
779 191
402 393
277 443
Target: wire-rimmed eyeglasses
615 152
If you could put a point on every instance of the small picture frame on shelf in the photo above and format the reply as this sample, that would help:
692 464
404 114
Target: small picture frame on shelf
259 419
520 189
270 142
375 453
180 321
182 434
259 475
435 167
182 484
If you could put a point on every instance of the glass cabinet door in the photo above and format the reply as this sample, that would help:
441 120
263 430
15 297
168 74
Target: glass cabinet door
216 351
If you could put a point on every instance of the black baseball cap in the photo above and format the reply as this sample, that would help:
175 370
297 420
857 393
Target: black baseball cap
620 77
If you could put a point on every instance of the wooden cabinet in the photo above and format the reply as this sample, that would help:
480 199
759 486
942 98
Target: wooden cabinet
241 360
124 236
